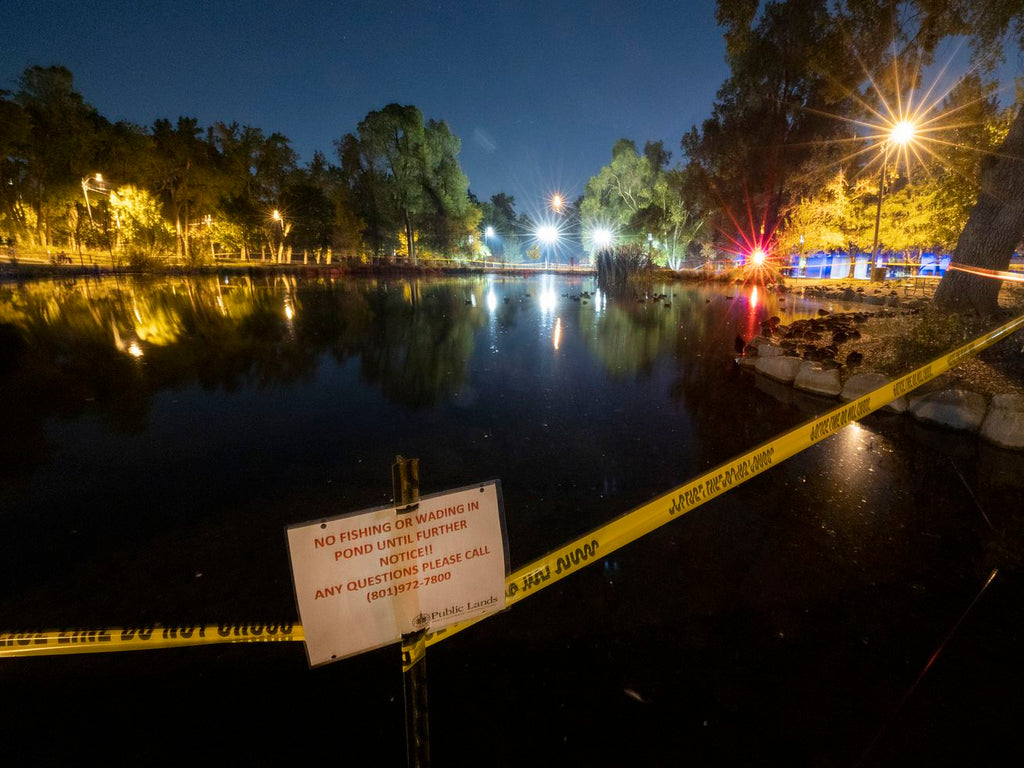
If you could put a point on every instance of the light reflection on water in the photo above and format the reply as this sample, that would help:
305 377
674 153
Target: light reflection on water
255 396
156 487
535 361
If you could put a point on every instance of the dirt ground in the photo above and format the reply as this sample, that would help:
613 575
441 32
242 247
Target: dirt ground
916 333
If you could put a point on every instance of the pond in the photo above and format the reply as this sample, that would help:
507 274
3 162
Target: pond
160 435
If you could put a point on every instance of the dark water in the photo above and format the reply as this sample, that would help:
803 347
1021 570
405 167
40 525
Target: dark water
159 437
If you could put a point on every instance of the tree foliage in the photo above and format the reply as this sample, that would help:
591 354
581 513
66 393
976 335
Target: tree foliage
510 229
406 177
70 178
770 111
642 201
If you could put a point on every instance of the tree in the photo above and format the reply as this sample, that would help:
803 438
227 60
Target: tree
140 223
255 173
14 127
307 199
995 226
59 147
181 170
405 175
643 202
620 189
393 144
770 111
509 227
449 217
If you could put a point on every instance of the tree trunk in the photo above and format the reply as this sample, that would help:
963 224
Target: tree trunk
409 237
177 231
994 229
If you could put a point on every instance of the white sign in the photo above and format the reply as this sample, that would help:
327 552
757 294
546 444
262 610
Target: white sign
364 579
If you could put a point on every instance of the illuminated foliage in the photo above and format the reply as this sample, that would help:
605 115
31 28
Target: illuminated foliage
139 219
641 203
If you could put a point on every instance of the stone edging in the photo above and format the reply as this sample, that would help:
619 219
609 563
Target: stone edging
999 421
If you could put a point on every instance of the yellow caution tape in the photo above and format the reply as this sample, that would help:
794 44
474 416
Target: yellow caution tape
629 527
550 568
414 650
101 639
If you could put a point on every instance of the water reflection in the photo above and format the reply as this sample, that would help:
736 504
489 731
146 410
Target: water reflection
109 346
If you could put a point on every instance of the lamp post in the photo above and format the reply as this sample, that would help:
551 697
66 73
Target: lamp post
94 183
548 235
488 234
900 135
285 229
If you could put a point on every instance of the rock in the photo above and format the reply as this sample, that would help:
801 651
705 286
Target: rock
860 384
779 367
818 380
1004 422
854 358
767 349
823 312
953 408
747 362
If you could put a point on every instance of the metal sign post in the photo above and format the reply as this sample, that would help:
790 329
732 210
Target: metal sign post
405 477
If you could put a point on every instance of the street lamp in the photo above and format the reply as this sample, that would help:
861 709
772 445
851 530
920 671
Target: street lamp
557 202
94 183
548 235
286 228
601 238
901 134
488 234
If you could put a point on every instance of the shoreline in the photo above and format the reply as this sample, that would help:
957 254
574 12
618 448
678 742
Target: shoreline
837 356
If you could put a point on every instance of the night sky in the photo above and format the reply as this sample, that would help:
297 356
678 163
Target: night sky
537 91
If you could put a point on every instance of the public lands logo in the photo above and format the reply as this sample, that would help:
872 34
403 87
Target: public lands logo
421 621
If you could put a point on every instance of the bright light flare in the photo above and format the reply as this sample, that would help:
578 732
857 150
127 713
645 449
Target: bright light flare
601 237
134 349
903 132
758 256
557 202
904 125
547 234
489 232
